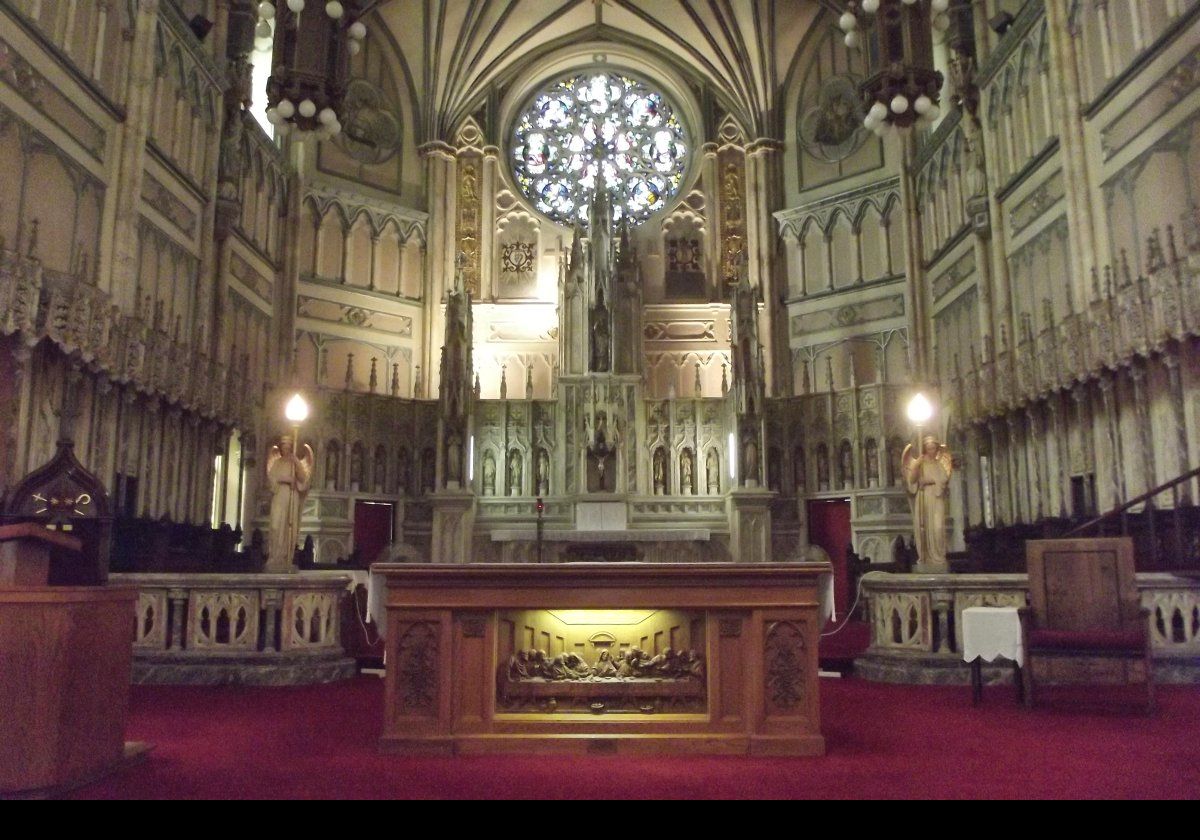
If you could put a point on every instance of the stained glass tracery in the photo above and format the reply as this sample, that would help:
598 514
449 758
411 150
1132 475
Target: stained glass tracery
604 128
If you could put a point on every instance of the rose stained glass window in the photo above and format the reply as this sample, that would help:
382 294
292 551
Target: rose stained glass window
603 129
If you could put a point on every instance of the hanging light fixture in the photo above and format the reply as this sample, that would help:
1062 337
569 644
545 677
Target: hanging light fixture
312 42
902 86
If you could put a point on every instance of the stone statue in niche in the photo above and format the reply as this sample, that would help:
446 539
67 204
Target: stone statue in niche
686 472
333 465
514 473
927 477
601 457
822 467
601 355
402 471
289 478
543 473
428 471
712 470
871 457
489 474
846 464
454 460
750 461
659 471
798 470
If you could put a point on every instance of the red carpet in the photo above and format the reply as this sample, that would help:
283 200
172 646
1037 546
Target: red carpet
884 742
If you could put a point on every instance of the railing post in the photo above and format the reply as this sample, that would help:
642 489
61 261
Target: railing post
178 599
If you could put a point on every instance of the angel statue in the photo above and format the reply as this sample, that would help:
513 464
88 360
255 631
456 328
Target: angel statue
289 477
927 476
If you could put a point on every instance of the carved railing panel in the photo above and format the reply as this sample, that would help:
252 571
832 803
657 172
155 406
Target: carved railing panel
311 620
223 620
150 627
902 620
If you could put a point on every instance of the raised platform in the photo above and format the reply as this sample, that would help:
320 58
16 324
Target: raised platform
453 633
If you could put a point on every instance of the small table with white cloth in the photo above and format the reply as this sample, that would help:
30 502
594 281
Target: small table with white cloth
988 634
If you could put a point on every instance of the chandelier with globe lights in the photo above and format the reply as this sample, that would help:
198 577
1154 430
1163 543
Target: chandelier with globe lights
312 44
902 87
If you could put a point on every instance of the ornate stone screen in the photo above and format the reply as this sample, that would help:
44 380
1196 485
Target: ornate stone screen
605 128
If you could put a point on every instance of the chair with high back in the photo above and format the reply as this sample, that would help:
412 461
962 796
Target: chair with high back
1084 611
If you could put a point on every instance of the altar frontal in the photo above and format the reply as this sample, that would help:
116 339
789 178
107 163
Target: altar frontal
604 658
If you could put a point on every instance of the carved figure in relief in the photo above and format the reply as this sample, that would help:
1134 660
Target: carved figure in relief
543 473
686 472
454 459
514 473
712 473
927 477
289 479
489 474
750 460
659 472
605 667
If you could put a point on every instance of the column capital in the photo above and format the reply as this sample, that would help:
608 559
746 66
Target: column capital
437 149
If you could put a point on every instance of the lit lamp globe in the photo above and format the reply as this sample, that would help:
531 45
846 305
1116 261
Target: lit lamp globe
296 411
920 409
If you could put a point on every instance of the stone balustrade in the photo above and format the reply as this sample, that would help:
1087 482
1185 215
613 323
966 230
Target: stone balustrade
916 619
254 629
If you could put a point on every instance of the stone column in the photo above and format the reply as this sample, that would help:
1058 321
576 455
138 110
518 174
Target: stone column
487 224
914 271
1141 405
1087 444
1081 222
1035 441
762 197
441 187
272 603
942 602
711 184
126 186
1062 454
1112 424
1183 462
178 599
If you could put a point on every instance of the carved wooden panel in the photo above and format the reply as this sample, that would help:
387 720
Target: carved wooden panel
416 666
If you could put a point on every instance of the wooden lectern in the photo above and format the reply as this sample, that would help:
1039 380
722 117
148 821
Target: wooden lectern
66 652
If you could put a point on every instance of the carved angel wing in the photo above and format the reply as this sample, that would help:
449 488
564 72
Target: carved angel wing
307 457
945 459
907 456
272 458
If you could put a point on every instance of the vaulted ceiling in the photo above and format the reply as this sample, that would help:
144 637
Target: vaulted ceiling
458 51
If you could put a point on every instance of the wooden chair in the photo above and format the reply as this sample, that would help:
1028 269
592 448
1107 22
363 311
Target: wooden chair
1084 611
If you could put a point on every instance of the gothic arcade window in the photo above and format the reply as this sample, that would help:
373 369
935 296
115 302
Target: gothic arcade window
605 128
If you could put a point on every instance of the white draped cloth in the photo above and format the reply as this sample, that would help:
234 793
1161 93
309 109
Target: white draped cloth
990 633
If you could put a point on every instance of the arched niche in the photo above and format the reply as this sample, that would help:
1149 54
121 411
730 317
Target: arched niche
684 245
517 256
